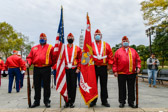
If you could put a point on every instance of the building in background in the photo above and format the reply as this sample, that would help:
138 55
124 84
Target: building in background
81 40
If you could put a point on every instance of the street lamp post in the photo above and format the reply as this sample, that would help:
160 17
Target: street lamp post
21 47
149 33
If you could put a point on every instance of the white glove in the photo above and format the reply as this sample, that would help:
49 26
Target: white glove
6 72
22 72
2 72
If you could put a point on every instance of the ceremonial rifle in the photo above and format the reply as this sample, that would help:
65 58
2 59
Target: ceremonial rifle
28 88
52 77
136 87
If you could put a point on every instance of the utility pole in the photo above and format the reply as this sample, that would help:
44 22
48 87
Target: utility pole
149 33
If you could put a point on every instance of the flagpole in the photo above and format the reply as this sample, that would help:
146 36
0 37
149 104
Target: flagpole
60 100
61 37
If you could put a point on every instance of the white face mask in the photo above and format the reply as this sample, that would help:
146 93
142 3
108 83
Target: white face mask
97 37
125 44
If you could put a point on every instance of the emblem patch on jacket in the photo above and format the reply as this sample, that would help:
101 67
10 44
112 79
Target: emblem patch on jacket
35 48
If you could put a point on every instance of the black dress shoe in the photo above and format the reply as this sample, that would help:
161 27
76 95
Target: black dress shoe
92 104
106 104
66 105
132 105
72 105
47 105
35 105
121 105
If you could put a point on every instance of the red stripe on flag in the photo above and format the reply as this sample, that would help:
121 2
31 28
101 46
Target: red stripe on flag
61 85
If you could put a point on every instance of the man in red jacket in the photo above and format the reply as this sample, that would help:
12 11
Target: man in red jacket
1 68
72 67
13 65
41 56
103 60
126 60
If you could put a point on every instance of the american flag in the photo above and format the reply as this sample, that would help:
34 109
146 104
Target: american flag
61 85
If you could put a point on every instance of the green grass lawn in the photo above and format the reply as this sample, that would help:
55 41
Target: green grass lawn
165 67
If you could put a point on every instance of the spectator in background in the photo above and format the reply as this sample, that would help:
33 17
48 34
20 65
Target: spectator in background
13 65
1 68
152 63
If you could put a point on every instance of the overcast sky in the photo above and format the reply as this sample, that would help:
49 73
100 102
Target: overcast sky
115 18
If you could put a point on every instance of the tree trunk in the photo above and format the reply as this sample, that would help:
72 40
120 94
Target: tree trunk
6 55
163 62
144 64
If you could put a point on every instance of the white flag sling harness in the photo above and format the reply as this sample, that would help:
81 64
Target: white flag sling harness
67 57
99 56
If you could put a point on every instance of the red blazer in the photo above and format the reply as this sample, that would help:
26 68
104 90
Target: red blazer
125 64
107 51
14 61
77 56
41 56
2 65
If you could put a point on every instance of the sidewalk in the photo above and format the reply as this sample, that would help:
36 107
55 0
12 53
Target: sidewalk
150 99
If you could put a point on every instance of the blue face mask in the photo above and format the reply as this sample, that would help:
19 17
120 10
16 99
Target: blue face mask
42 41
97 37
125 44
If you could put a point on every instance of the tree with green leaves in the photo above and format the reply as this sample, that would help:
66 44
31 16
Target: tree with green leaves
11 40
154 11
8 39
144 54
134 46
26 45
117 46
160 43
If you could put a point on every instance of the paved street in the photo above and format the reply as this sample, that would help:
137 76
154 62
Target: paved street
150 99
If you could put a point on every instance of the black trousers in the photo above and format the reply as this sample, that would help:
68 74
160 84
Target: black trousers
124 79
101 72
42 73
71 78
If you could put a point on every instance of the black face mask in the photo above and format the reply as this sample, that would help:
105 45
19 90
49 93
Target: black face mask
70 41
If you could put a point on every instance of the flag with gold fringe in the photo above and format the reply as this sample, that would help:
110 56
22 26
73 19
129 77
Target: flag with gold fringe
88 83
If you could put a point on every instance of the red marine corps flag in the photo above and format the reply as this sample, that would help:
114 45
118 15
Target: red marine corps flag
88 84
